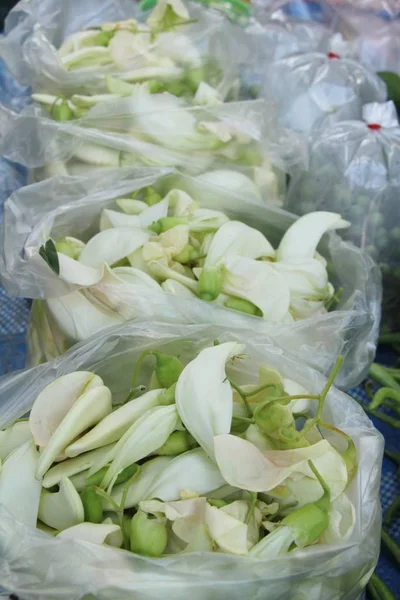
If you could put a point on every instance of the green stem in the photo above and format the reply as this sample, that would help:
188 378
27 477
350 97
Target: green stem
394 456
243 397
382 394
380 374
260 389
245 419
254 497
116 507
379 590
392 546
381 416
389 338
392 511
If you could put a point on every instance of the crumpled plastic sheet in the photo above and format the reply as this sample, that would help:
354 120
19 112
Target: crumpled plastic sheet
36 565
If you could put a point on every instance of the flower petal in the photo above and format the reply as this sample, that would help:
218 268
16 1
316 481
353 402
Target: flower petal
95 533
237 239
61 509
92 406
229 533
259 283
203 396
19 488
192 470
115 425
46 415
302 238
112 245
145 436
76 273
244 466
13 437
342 519
228 182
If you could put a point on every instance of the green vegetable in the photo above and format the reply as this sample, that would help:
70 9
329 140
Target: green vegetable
148 536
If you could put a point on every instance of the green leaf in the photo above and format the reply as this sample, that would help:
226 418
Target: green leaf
49 254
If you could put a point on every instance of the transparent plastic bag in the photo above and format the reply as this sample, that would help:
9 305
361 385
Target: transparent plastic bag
315 90
34 563
354 169
36 28
118 133
72 206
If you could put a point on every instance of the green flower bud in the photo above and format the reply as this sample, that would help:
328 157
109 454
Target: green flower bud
92 505
193 78
147 536
168 396
151 197
63 247
188 254
210 284
104 38
97 477
177 443
127 473
155 87
242 305
310 521
176 88
216 502
272 416
61 111
168 368
166 223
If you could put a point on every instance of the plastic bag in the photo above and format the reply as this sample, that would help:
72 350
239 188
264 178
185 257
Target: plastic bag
33 562
36 28
354 169
118 133
72 206
315 90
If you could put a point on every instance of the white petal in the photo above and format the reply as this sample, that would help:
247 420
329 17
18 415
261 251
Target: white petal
92 406
177 289
131 207
275 543
111 245
138 491
204 397
95 533
158 13
154 213
228 182
229 533
73 466
113 218
342 519
133 276
207 95
78 317
295 389
191 470
145 436
13 437
242 465
19 488
72 271
237 239
259 283
115 425
303 237
46 415
61 509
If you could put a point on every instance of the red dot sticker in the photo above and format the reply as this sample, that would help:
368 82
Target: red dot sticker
375 126
333 55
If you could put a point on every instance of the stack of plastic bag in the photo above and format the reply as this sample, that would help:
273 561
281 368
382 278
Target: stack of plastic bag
354 168
34 561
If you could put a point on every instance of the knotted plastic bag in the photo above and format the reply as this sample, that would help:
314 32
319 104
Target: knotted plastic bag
70 206
354 169
315 90
34 563
36 29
